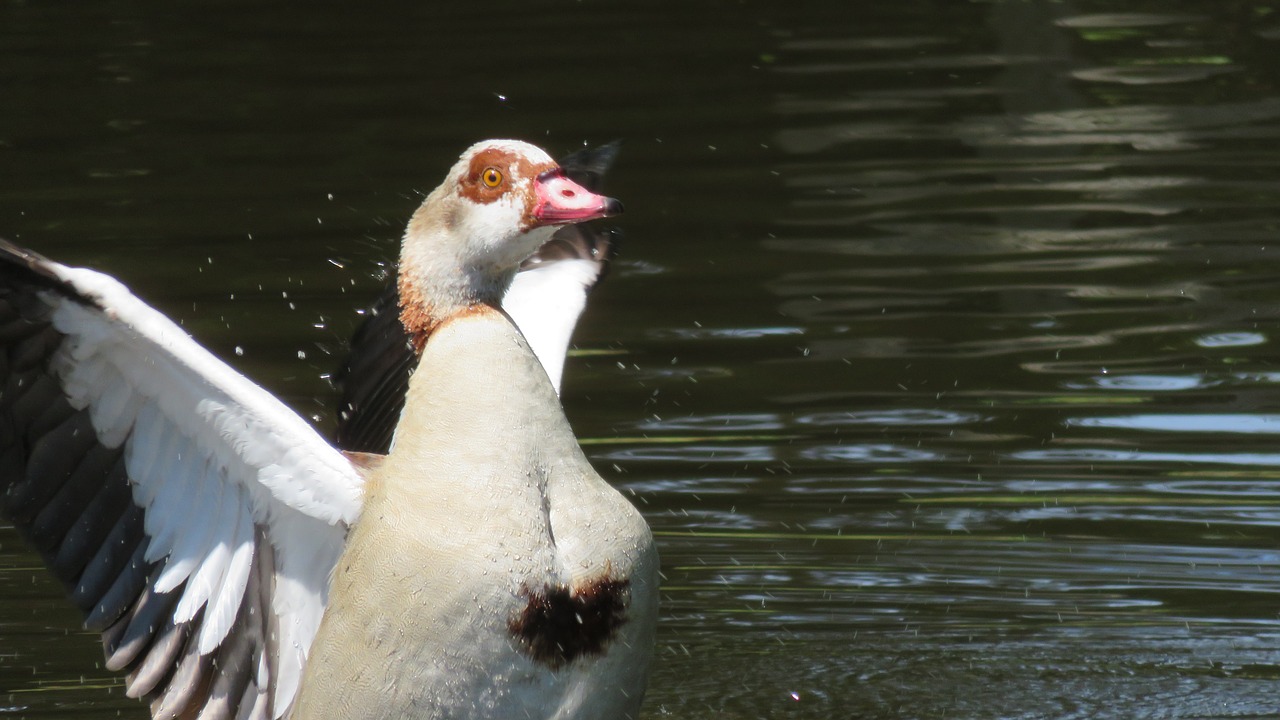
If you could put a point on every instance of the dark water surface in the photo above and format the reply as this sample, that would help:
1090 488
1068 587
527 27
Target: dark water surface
942 354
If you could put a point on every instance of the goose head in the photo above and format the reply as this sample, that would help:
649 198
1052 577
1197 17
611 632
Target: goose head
498 204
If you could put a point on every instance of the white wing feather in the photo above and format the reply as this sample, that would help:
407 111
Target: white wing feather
216 462
545 303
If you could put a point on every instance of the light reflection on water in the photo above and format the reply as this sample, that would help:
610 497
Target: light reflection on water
1143 456
1220 423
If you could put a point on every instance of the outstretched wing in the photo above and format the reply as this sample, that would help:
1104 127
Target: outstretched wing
375 377
548 295
192 516
545 300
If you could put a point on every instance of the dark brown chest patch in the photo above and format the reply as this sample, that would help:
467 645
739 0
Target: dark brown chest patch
561 624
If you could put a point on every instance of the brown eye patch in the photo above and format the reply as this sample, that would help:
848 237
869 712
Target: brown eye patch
494 171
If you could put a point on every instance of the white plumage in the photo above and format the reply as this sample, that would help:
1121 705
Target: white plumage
544 301
210 456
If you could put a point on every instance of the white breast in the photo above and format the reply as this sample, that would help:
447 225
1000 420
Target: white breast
480 508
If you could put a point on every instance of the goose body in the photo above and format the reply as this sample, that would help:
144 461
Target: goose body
241 567
539 618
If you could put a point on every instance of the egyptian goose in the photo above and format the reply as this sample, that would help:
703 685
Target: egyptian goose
241 567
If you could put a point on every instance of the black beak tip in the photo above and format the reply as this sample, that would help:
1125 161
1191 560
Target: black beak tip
612 206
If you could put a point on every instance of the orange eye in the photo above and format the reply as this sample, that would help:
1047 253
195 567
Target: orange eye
492 177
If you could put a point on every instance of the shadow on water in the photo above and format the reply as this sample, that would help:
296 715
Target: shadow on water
939 355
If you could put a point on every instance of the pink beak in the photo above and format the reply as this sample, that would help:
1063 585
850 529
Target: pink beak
561 200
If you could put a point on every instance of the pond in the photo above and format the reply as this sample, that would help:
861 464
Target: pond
941 353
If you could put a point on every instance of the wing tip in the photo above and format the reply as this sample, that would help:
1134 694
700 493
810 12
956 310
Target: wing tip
31 267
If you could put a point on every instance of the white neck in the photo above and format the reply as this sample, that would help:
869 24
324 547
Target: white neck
441 276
